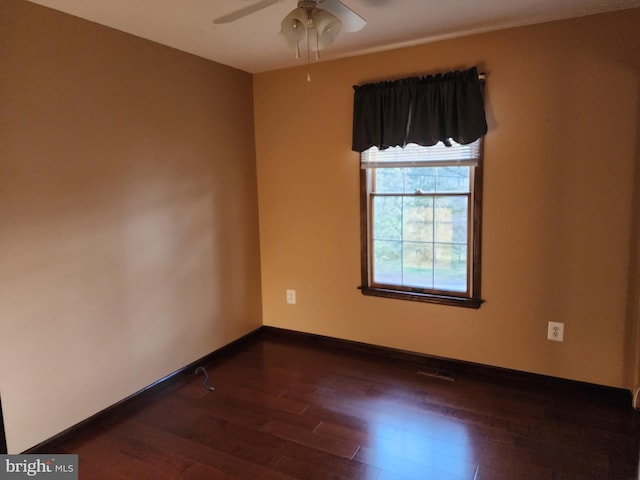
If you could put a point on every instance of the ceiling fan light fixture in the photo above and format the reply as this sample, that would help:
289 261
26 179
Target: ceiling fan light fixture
294 28
319 24
327 27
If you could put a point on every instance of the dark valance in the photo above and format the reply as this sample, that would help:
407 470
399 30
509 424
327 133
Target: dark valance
420 110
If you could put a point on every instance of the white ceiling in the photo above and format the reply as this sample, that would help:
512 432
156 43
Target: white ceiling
253 44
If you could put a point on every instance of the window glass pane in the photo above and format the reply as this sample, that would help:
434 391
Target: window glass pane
421 241
452 179
451 220
417 268
387 218
450 270
390 180
420 179
417 219
423 179
387 262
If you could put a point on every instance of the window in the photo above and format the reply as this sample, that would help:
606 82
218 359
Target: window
420 215
421 206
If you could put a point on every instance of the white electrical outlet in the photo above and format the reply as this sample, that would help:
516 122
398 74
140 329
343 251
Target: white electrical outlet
555 331
291 297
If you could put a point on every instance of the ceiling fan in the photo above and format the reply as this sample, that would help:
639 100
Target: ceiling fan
351 21
317 21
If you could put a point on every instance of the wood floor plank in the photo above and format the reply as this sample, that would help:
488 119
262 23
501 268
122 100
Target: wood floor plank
253 408
107 453
416 469
201 453
325 442
328 468
92 470
199 471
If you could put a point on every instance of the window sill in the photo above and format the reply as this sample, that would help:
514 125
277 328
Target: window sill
423 297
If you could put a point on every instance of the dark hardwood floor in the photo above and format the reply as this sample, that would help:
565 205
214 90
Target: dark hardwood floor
285 409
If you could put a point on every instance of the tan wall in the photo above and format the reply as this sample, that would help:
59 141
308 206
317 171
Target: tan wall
562 102
633 315
128 216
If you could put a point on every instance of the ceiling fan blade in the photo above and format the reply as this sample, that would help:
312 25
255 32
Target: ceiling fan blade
243 12
351 21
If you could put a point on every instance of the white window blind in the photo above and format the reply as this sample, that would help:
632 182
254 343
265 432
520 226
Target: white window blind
414 155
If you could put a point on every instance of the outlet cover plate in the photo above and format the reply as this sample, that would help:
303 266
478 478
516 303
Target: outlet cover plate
555 332
291 297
